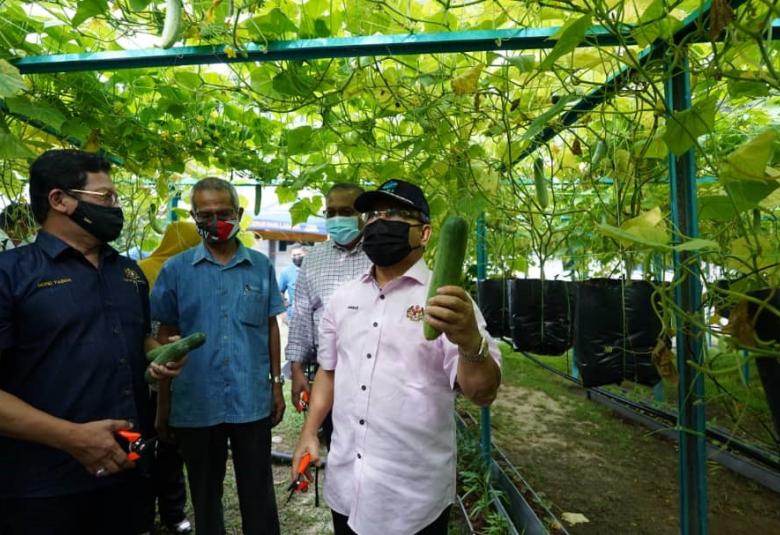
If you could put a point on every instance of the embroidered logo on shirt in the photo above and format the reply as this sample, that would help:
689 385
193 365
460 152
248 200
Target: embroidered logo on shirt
352 307
55 282
415 313
130 275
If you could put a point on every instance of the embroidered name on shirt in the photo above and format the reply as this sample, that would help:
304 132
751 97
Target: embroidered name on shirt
352 307
55 282
415 313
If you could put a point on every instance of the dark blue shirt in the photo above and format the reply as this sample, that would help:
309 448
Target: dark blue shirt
226 379
72 340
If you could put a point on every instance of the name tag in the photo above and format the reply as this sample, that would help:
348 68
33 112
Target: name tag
54 282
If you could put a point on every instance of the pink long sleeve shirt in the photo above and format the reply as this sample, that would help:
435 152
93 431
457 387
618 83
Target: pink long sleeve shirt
391 467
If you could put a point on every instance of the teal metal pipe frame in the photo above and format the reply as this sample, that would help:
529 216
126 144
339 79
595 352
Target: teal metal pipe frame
691 418
308 49
484 416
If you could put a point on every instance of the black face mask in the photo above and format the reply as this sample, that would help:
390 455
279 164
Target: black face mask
103 222
387 242
298 260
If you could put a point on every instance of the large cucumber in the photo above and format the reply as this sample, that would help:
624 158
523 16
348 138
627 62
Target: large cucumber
174 351
598 153
448 264
541 185
172 23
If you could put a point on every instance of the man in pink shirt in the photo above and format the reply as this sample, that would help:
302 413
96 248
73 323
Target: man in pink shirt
391 467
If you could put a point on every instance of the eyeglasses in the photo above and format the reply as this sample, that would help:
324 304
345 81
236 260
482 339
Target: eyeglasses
108 198
347 211
222 215
393 214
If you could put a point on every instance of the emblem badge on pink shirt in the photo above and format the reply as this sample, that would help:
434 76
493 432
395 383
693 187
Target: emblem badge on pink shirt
415 313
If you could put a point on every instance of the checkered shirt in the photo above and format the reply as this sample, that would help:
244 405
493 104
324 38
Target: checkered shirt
326 267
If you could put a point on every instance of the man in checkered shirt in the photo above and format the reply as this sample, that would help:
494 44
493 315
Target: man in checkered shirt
326 267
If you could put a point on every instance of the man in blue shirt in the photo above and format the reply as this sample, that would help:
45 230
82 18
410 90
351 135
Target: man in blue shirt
231 387
74 324
290 275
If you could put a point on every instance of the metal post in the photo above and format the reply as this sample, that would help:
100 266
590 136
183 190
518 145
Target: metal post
659 392
484 421
691 422
173 203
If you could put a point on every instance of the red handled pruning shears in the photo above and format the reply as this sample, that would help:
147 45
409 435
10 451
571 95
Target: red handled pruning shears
303 402
301 484
136 445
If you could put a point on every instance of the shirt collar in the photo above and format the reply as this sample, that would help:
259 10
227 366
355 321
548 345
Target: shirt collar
419 273
202 253
54 246
358 248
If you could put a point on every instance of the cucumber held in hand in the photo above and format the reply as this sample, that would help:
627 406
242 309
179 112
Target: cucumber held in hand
174 351
448 264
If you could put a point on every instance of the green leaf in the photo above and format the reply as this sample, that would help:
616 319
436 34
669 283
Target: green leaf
747 194
716 208
293 82
524 63
300 211
684 127
12 148
542 121
298 140
747 88
275 23
653 24
569 36
188 80
749 160
75 128
631 237
11 82
286 195
138 5
40 111
697 244
88 9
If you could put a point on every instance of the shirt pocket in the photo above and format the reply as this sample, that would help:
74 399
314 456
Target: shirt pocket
250 307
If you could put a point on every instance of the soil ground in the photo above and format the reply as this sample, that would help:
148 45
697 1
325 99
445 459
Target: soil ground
582 459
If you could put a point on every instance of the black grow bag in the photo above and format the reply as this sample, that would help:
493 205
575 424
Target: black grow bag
540 315
767 326
616 330
492 301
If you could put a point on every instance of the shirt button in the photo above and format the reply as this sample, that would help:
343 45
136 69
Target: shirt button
362 421
376 324
368 356
116 330
381 297
360 456
363 387
123 361
127 392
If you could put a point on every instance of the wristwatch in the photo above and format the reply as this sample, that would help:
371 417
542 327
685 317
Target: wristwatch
481 355
277 379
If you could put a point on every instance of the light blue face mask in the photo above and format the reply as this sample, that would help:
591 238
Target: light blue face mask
342 230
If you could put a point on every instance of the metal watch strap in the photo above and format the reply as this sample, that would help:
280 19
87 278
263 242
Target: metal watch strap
277 379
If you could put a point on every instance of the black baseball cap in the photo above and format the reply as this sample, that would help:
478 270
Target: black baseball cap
395 190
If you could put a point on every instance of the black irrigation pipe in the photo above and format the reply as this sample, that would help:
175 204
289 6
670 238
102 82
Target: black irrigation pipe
523 518
761 466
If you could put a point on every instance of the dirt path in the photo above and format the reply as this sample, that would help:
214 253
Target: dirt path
584 460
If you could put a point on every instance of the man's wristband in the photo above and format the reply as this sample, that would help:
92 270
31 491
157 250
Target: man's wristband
482 354
277 379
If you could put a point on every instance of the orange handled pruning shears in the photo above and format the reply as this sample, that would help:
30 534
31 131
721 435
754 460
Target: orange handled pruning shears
300 484
303 402
135 444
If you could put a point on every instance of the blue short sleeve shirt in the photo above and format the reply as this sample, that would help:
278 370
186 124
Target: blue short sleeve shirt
226 379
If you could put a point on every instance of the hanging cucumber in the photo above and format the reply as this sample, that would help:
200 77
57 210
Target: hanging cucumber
448 264
172 23
153 220
598 153
541 185
174 351
258 198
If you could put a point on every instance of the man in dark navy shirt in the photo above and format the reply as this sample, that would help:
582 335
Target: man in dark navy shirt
74 327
